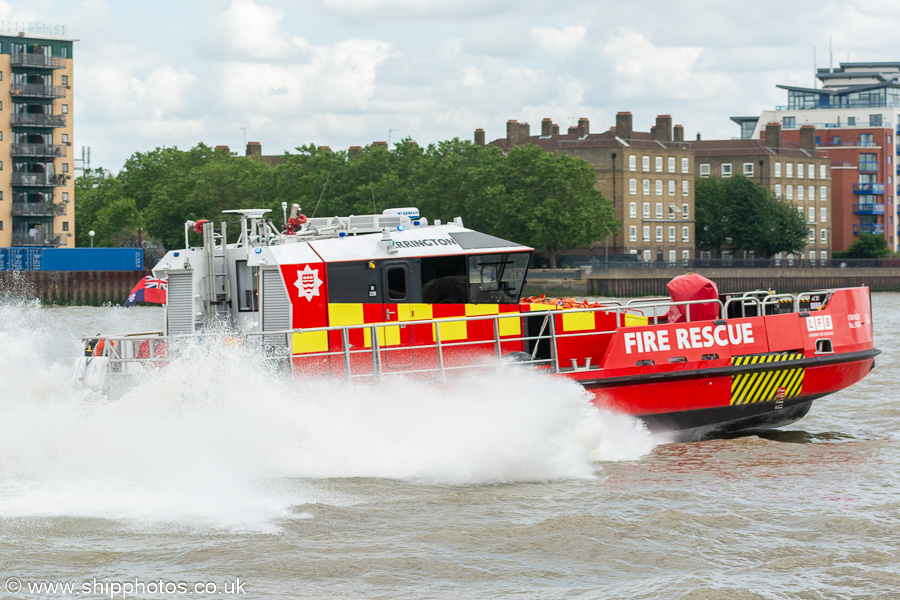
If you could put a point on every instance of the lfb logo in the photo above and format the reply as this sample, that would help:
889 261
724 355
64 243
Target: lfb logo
308 283
819 323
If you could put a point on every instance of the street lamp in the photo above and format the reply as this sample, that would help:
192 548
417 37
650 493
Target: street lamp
91 233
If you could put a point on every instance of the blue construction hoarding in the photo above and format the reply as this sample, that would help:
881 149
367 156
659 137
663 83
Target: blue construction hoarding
71 259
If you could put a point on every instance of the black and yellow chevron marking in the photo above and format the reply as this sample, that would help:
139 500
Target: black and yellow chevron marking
763 386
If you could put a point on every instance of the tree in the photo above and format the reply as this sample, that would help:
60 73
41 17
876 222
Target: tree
867 245
738 214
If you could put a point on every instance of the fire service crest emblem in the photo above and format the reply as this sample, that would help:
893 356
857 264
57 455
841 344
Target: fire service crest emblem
308 283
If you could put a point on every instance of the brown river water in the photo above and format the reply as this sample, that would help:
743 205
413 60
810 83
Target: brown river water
216 477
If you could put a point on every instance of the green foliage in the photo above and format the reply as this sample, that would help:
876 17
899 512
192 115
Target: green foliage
867 245
738 214
533 197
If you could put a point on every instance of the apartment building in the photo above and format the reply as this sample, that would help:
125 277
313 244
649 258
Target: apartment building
856 116
648 177
797 173
36 111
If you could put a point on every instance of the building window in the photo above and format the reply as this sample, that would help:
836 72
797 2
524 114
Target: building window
659 187
671 256
685 234
65 80
812 171
823 236
646 233
671 164
671 187
726 169
812 235
788 122
685 211
685 188
632 186
748 169
65 167
823 215
64 52
645 187
778 190
659 164
65 109
65 138
875 120
659 210
632 210
788 169
799 192
645 210
867 139
778 169
65 225
684 165
646 256
812 214
851 121
632 233
822 193
800 170
659 236
823 255
790 192
704 170
685 256
65 196
822 171
812 257
1 225
672 233
645 163
811 193
632 163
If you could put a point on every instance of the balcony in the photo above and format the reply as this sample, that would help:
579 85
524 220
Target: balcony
868 188
868 166
37 61
37 120
38 150
38 179
37 90
38 209
868 209
41 239
875 228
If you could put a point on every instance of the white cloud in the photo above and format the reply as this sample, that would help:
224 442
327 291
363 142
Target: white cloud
248 30
559 43
644 70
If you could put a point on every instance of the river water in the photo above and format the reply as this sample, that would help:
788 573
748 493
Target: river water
217 478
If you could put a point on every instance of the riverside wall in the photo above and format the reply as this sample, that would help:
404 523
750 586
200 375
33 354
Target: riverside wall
71 287
624 283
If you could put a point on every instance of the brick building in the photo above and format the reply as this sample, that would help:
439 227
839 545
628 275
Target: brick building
37 201
648 176
796 173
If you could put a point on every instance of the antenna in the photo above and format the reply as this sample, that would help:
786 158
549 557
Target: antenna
244 129
830 57
815 70
390 131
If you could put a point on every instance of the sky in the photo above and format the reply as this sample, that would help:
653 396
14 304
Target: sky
341 73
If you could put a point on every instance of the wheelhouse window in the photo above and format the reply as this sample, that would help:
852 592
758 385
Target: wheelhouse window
497 278
396 282
444 280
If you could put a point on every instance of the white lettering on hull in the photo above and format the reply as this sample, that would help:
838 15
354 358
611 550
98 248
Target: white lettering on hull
689 338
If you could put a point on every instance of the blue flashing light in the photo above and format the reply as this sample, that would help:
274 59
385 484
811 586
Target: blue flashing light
342 234
174 254
416 223
258 250
400 227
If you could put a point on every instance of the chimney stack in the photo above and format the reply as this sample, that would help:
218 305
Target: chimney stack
254 149
679 133
554 130
664 128
773 136
224 149
808 138
584 127
623 125
512 132
479 137
354 151
546 127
